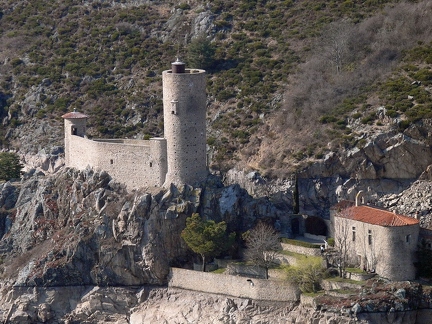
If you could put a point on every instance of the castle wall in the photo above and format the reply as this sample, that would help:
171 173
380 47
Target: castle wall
77 126
241 287
133 162
184 101
389 250
180 157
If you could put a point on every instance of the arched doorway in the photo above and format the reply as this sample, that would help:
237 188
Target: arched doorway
316 225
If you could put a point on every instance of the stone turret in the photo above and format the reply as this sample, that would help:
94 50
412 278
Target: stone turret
75 124
184 101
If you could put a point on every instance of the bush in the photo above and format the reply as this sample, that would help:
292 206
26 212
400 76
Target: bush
10 166
307 274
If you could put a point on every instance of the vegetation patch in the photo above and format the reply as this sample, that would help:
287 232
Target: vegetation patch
300 243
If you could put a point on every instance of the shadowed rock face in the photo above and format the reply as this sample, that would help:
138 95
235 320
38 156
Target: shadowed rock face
81 228
386 166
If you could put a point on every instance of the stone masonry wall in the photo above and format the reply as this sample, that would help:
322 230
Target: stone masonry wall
301 249
390 251
241 287
184 101
127 161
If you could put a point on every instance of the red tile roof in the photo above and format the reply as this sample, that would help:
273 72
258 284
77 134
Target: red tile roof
376 216
74 115
342 205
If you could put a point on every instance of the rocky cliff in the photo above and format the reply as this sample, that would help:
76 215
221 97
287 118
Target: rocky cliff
73 231
390 168
82 228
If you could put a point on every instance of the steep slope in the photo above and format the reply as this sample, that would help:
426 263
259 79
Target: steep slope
277 94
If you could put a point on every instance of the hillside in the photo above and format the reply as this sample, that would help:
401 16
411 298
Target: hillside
289 81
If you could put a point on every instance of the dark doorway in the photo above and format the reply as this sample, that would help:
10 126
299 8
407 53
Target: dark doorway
316 225
295 226
74 130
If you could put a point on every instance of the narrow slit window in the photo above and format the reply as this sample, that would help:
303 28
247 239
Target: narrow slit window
174 104
111 161
370 237
353 233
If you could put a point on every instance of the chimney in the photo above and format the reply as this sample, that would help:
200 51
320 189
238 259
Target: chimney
178 66
359 199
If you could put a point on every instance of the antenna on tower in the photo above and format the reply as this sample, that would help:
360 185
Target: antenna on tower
178 51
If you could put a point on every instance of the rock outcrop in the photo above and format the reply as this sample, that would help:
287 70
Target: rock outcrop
387 165
82 228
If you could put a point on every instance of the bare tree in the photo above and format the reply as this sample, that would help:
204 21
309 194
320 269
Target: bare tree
262 244
343 238
336 44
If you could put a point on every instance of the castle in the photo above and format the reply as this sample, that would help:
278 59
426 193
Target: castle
177 158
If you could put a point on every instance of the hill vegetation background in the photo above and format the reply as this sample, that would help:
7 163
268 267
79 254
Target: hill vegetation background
288 81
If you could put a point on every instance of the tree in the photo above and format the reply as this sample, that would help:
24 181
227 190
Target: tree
200 53
296 196
336 44
10 166
342 238
262 244
207 238
307 274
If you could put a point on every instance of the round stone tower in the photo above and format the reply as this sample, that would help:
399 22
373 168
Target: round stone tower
75 124
184 104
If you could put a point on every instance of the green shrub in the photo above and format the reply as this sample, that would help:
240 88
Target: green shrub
392 113
307 274
184 6
424 75
16 61
10 166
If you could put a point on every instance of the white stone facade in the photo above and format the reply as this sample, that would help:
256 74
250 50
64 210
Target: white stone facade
374 244
178 158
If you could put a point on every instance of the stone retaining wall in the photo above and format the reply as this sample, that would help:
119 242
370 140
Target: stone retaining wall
333 285
301 249
241 287
238 269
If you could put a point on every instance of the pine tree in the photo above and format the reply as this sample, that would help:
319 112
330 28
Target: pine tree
200 53
10 166
207 238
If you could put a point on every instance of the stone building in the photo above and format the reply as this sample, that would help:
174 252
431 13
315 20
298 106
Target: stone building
179 157
376 240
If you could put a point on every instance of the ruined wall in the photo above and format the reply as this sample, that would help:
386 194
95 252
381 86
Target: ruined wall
133 162
235 286
77 125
